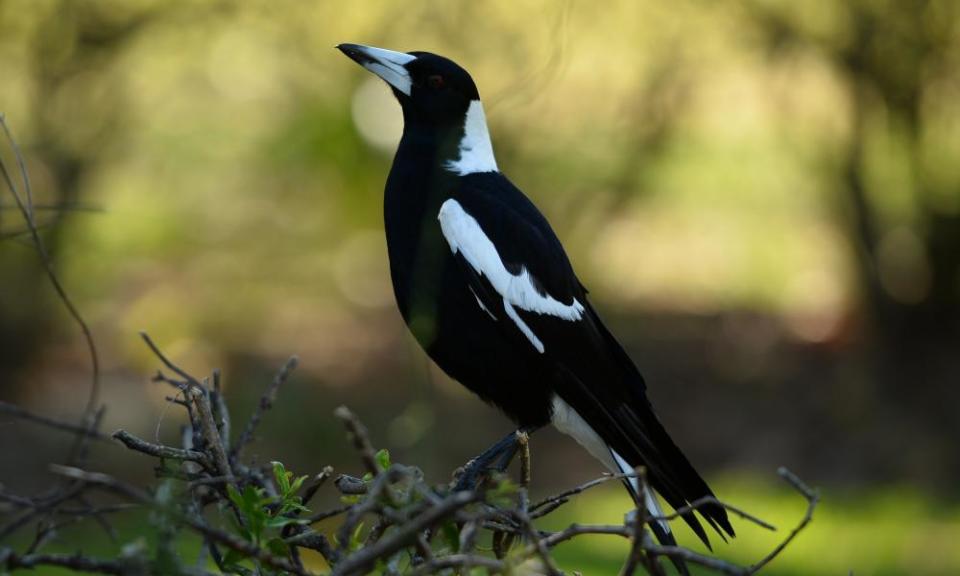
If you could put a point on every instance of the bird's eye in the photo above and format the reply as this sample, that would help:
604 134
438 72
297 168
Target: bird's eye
435 81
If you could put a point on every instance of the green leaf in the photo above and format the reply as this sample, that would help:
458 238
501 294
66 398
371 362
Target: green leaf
356 541
383 458
503 492
278 547
234 496
297 484
452 536
282 477
281 521
232 558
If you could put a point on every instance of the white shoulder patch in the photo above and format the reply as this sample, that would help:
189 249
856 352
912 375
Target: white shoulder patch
464 235
476 150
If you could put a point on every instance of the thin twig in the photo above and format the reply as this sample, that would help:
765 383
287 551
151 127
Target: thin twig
160 451
76 562
166 361
195 522
714 501
362 560
360 438
813 498
464 561
23 414
266 402
26 209
201 400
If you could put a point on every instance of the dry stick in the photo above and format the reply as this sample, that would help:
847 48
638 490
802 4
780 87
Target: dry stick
812 496
18 412
321 516
692 557
640 521
38 508
74 562
196 523
26 208
191 381
556 501
360 438
712 500
362 560
209 430
463 561
160 451
537 544
521 516
370 504
220 410
266 402
318 481
523 440
62 207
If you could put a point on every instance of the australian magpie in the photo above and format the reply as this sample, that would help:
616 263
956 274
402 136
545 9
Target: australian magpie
487 290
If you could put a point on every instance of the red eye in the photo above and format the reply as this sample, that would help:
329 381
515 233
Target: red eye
435 81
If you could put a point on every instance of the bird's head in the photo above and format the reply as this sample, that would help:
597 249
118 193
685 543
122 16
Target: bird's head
430 88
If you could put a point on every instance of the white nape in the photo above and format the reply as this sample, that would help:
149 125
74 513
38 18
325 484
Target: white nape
476 149
464 235
389 65
567 420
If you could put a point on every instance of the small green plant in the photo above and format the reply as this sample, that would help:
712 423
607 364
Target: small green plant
260 518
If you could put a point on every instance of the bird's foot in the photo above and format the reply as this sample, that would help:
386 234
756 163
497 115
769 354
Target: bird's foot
494 459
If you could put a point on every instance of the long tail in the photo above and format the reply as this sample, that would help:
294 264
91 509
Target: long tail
660 528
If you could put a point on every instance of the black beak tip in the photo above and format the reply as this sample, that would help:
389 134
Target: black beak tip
352 51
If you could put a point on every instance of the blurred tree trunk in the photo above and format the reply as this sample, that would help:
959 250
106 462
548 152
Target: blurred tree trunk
887 58
70 41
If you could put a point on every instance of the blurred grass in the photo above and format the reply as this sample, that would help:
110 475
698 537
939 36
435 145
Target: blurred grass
890 531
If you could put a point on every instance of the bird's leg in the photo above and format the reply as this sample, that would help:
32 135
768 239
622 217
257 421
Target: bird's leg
502 453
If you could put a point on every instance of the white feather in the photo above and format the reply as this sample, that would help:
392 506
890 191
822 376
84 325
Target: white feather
476 150
480 304
653 506
464 235
569 421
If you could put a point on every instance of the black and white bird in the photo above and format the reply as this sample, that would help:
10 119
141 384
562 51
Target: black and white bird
487 290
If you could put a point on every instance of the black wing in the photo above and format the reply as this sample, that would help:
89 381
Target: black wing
591 370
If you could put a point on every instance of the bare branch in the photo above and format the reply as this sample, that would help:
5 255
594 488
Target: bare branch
195 522
201 400
25 205
77 562
360 438
166 362
359 562
464 561
813 498
266 402
158 450
713 501
23 414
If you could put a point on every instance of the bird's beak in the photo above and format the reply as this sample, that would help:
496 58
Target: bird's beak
386 64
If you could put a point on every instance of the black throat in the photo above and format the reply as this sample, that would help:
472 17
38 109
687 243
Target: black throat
418 185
